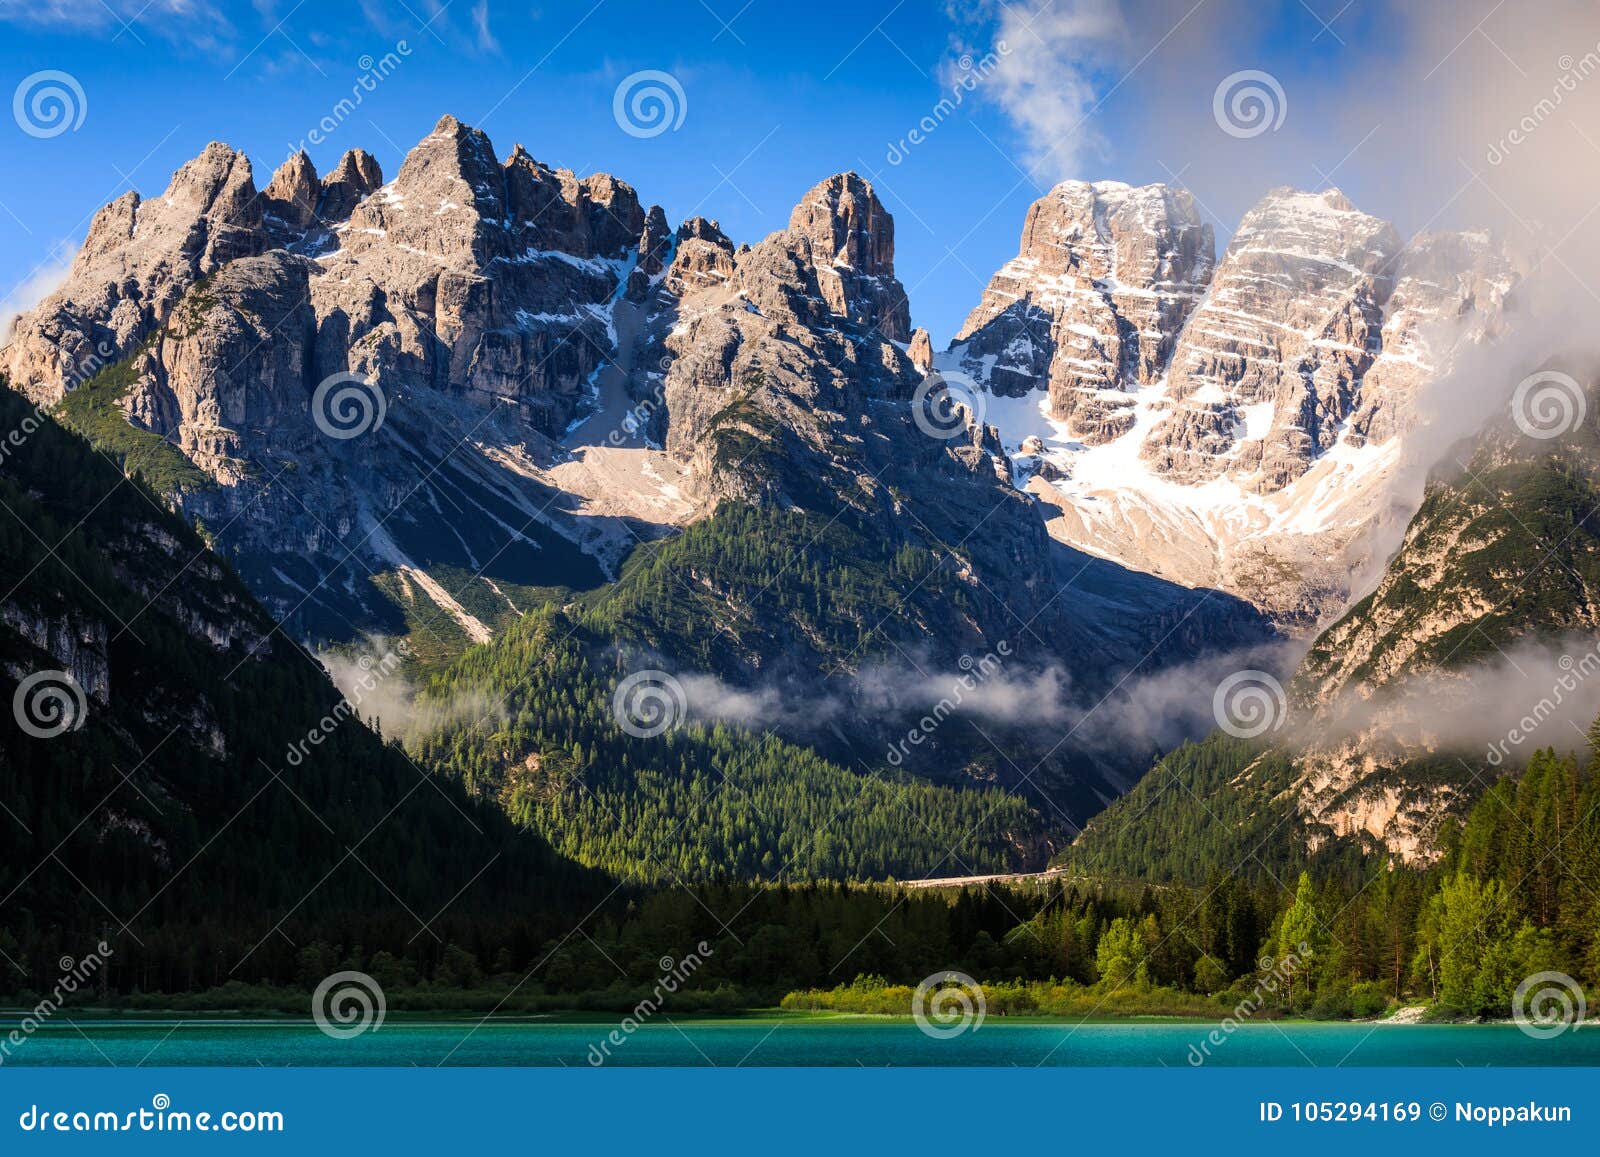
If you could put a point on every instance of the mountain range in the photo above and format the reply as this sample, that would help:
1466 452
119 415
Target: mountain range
519 421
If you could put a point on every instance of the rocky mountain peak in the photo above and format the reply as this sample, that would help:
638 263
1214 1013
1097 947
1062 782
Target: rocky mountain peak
1105 276
300 207
213 200
356 177
847 224
357 167
1229 427
293 194
137 259
851 236
456 163
1270 367
702 257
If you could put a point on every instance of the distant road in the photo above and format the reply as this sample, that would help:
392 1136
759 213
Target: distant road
1007 878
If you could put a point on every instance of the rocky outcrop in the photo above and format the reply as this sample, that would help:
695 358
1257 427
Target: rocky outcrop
1450 294
136 262
851 236
476 302
1250 439
301 210
1270 368
77 643
803 325
1406 701
1093 302
356 176
292 197
702 258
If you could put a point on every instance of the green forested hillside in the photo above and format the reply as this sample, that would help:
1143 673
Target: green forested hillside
533 726
756 586
210 808
1216 805
1517 895
1504 548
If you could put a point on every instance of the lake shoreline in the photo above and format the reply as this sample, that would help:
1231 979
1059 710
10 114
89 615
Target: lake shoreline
782 1042
110 1018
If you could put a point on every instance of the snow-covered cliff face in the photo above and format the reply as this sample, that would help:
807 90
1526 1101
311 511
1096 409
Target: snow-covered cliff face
1091 305
1238 430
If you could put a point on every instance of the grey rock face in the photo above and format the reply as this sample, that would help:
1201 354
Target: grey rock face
356 176
702 258
291 199
1105 278
1292 322
476 298
301 210
1450 294
136 262
1205 451
852 237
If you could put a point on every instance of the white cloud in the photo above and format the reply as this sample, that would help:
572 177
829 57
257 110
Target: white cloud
36 286
480 24
1050 80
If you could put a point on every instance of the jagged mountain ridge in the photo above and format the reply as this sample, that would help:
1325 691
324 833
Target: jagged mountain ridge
475 296
1249 438
563 380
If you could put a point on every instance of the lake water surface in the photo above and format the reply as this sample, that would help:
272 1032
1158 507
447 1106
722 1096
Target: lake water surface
766 1042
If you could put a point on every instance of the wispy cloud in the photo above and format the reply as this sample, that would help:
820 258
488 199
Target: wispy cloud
1059 62
184 20
480 25
36 286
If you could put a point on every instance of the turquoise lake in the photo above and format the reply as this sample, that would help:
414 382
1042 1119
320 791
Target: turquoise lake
793 1043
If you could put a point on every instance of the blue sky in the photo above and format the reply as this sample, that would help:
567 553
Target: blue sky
776 96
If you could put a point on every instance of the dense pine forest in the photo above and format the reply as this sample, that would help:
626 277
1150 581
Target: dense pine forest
208 806
698 802
1515 896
